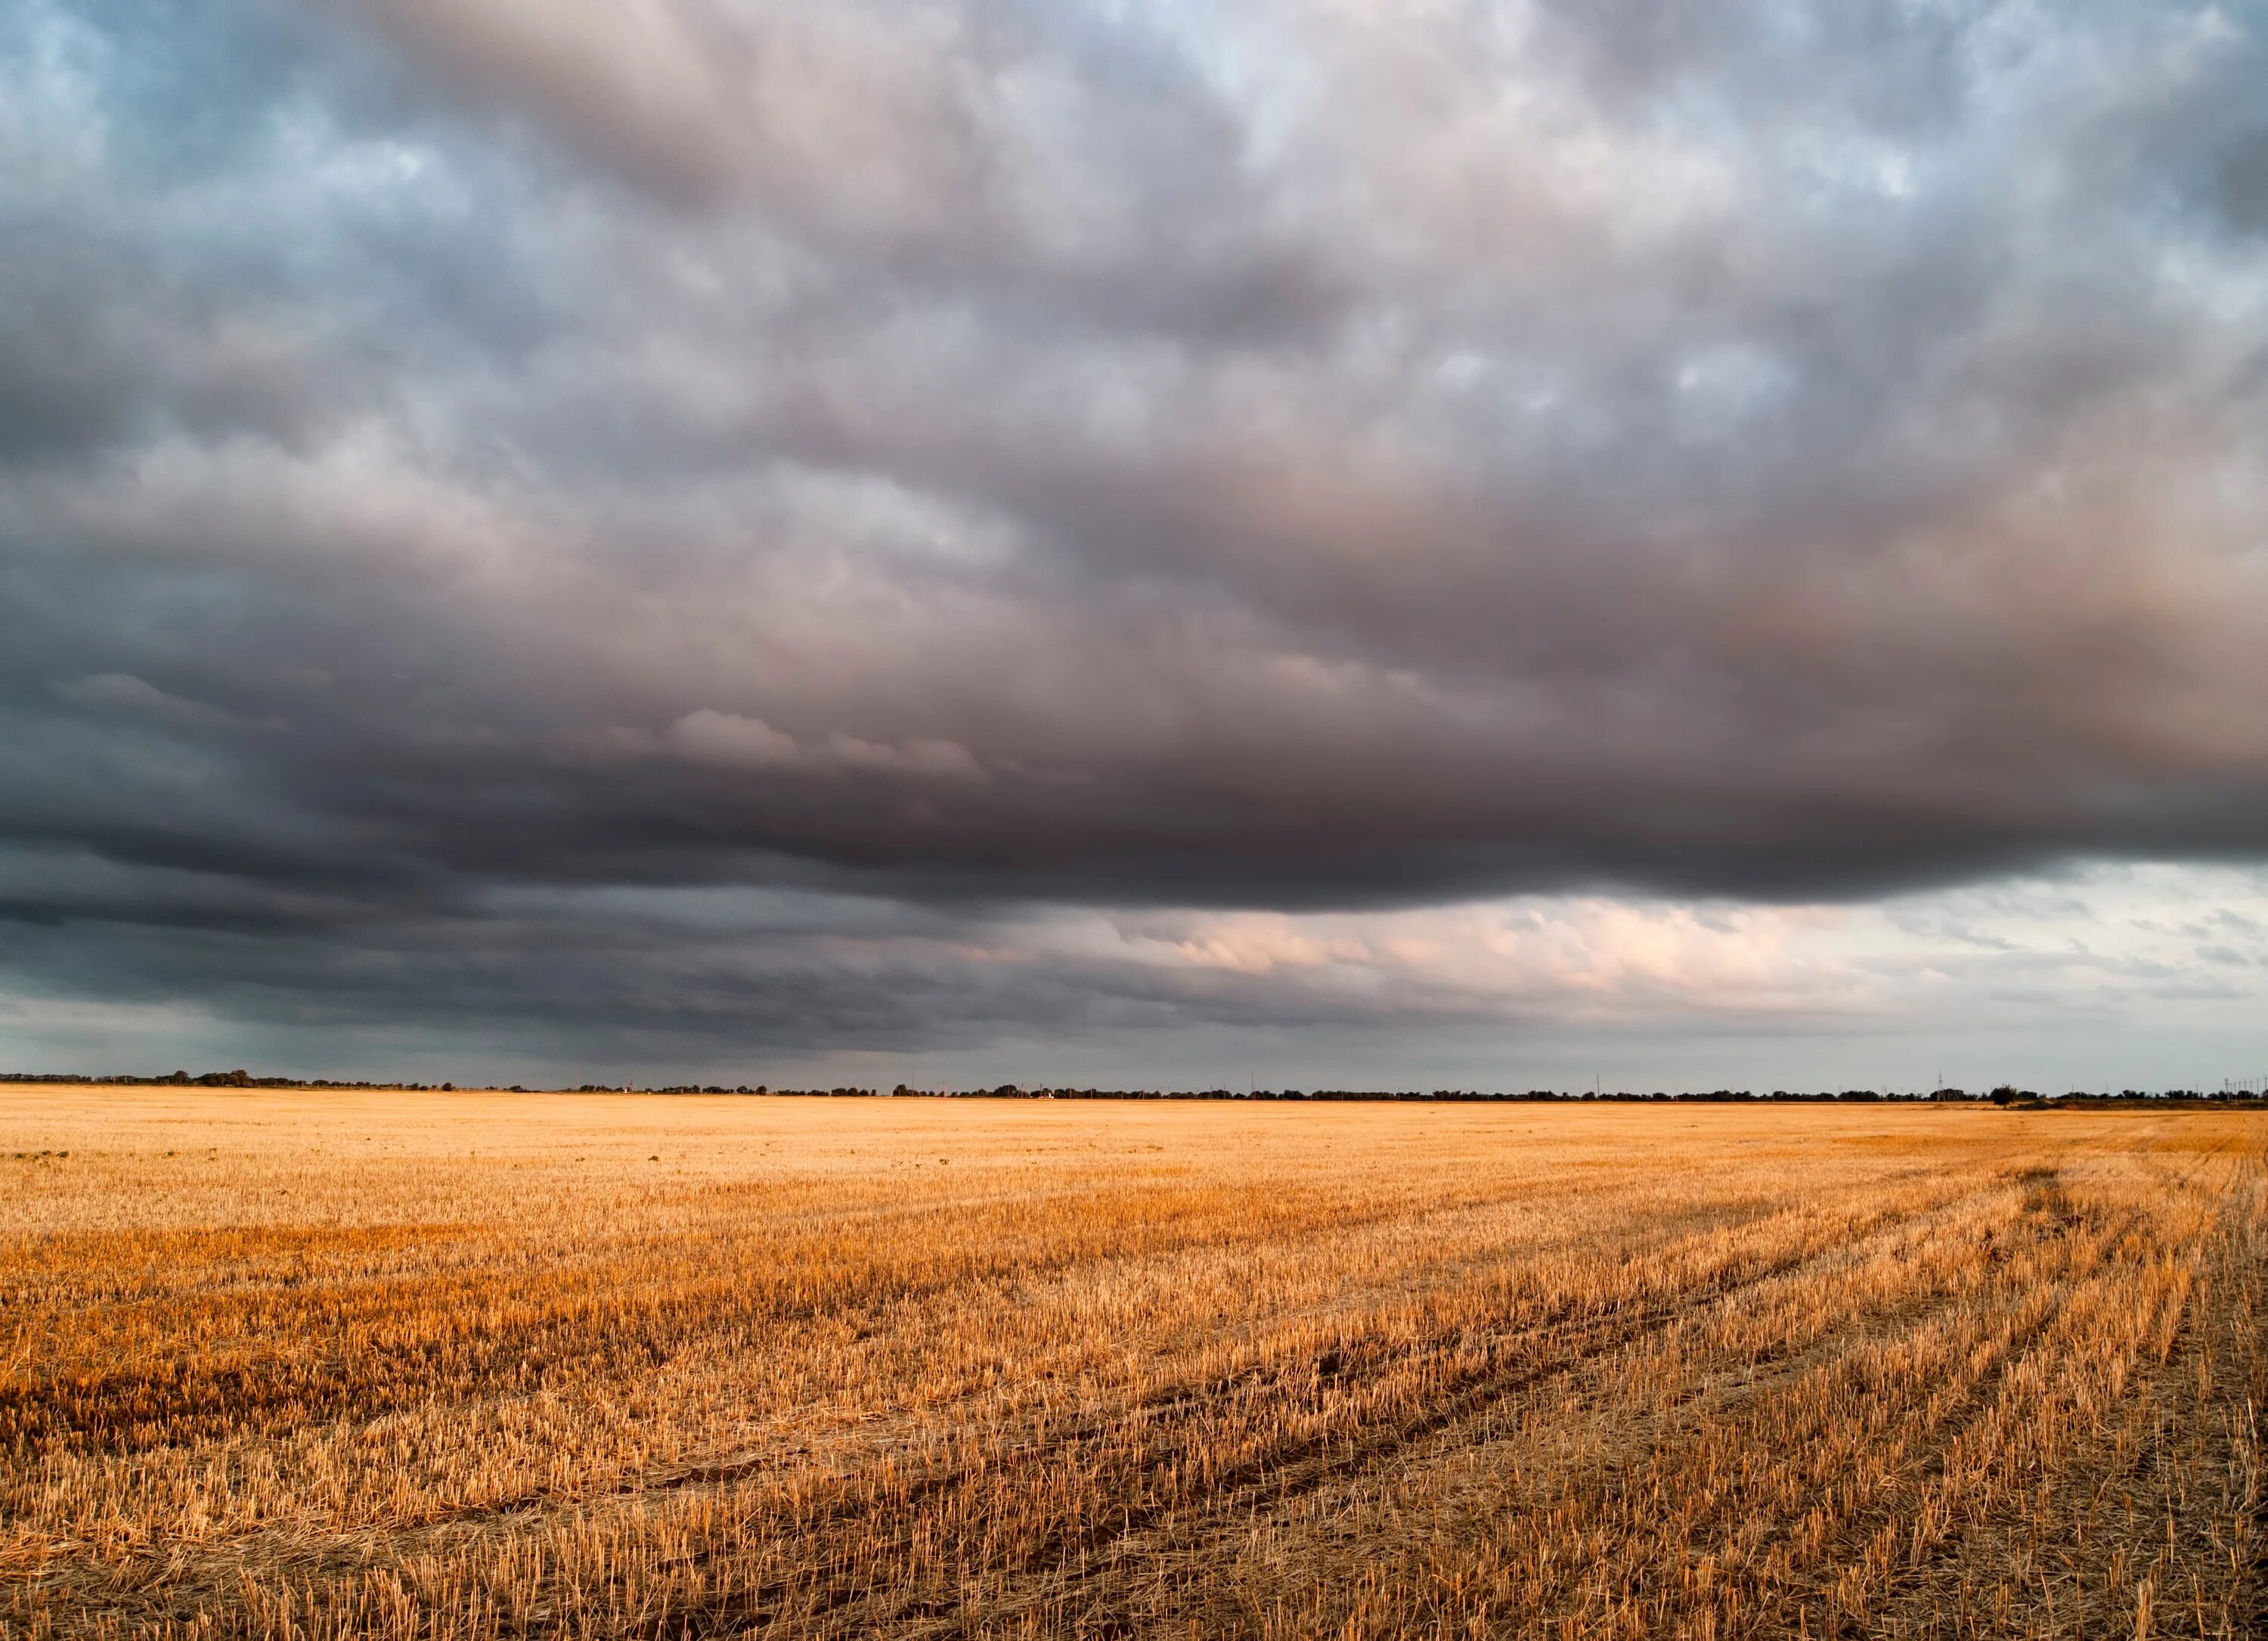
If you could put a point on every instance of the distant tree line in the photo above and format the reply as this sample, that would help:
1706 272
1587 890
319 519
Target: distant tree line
2006 1094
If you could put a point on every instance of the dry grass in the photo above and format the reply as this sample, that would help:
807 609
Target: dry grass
457 1366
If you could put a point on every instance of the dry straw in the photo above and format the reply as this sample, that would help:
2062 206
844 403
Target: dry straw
467 1366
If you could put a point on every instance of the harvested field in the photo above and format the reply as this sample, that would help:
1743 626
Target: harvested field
467 1366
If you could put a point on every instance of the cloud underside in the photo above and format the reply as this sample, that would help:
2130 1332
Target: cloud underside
1269 459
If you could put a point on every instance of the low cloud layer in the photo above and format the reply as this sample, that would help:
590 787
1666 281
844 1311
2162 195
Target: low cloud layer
1011 465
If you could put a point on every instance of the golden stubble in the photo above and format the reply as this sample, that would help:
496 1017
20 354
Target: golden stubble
444 1366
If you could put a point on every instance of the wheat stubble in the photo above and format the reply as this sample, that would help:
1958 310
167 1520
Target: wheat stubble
466 1365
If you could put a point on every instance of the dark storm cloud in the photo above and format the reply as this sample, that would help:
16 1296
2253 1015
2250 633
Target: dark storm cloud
1272 455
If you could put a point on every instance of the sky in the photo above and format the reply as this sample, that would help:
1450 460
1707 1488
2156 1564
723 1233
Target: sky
1315 542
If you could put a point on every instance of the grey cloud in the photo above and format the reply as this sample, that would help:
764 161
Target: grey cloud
2240 183
981 453
695 99
605 977
122 691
